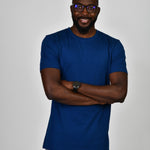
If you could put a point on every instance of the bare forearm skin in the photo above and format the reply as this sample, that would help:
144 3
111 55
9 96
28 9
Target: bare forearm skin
61 90
63 95
108 94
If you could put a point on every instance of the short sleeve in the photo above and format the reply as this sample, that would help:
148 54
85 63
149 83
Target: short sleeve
118 58
49 53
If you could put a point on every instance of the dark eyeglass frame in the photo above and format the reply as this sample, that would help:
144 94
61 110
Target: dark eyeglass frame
87 8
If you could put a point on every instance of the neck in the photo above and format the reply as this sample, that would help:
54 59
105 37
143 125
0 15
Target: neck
89 34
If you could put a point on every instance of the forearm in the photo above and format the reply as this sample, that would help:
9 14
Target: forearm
103 94
63 95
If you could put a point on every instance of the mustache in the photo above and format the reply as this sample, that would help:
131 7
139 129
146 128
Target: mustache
84 18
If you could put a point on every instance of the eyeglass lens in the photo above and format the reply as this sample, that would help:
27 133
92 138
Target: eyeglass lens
80 8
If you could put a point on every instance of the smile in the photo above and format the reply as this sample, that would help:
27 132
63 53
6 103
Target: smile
84 20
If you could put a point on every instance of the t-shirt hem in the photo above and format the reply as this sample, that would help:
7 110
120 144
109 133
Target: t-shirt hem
125 71
49 67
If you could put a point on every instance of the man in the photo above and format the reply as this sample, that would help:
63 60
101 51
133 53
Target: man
83 72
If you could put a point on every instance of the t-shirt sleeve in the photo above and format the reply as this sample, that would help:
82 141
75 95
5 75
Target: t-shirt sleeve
118 58
49 54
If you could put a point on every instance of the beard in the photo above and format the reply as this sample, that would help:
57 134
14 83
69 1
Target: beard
83 30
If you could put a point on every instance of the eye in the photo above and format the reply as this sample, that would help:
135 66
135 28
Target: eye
91 7
78 6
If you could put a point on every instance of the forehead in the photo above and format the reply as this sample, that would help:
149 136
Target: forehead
86 2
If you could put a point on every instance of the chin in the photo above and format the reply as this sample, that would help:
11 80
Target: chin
84 26
83 29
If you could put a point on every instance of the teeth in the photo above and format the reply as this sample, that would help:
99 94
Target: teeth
84 20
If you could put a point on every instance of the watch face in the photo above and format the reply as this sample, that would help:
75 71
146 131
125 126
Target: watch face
76 84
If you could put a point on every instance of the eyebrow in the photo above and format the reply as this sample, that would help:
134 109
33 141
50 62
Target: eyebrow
84 5
78 2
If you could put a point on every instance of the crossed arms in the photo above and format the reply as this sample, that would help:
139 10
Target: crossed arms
61 90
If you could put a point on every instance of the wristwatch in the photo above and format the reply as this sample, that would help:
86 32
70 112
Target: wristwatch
76 85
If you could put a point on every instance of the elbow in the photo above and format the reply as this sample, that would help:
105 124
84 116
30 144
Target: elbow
51 93
49 96
121 100
120 95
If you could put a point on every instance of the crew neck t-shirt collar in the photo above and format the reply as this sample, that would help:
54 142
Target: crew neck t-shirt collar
81 38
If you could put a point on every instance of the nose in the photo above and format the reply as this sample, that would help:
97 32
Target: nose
85 12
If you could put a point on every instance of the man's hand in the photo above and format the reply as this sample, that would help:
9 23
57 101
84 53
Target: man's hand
67 84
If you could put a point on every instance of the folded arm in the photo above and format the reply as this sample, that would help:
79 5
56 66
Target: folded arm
115 92
55 90
109 94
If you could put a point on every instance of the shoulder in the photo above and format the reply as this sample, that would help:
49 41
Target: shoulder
54 38
57 35
108 38
115 46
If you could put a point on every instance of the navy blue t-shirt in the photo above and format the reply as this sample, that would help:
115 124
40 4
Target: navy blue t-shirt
90 61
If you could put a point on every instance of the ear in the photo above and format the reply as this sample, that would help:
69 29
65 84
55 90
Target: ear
98 10
71 9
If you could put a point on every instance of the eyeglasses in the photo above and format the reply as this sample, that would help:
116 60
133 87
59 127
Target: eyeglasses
89 8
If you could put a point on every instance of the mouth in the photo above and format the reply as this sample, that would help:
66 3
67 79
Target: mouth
84 20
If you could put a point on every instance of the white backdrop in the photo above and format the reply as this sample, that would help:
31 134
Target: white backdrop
24 109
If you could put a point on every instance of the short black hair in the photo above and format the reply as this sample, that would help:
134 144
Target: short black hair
95 0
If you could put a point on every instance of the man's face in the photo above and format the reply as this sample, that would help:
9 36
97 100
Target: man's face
84 20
